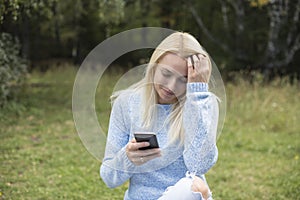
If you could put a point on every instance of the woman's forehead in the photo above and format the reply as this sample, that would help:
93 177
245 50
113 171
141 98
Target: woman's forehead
174 63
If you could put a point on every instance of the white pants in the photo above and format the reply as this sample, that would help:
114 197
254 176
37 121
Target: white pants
182 190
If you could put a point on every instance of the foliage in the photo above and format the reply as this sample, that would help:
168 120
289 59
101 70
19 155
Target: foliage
112 11
16 8
13 68
61 29
253 34
259 148
42 157
258 3
250 33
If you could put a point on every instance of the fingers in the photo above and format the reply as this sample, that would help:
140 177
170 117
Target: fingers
139 157
190 68
196 61
198 68
147 158
189 62
198 185
199 61
144 153
136 145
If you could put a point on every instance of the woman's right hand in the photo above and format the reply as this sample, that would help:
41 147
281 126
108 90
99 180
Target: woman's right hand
139 157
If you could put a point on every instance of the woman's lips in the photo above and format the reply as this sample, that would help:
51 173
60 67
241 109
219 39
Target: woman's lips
168 92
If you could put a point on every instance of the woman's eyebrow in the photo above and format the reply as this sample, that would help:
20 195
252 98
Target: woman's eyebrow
165 69
169 71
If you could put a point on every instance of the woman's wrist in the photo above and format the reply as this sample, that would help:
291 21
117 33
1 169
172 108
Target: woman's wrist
197 87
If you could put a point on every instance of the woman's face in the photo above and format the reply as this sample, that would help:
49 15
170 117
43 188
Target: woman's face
170 78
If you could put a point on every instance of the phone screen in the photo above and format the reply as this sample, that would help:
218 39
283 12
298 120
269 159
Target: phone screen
147 137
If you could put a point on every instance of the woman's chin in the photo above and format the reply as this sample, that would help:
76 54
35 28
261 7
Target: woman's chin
167 99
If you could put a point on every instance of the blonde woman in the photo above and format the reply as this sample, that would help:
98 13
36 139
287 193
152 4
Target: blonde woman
173 101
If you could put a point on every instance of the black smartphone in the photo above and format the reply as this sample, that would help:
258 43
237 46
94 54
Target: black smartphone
147 137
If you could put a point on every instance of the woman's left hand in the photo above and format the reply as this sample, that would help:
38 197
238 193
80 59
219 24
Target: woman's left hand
198 185
198 68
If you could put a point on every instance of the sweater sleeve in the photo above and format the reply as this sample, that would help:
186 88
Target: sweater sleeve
116 166
200 119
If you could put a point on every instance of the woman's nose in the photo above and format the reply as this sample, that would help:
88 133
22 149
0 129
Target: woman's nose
172 84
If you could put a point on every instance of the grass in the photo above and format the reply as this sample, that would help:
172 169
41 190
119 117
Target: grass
259 148
42 156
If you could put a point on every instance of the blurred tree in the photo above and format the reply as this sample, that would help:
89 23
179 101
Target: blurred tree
283 36
111 13
16 13
256 34
252 34
55 28
12 67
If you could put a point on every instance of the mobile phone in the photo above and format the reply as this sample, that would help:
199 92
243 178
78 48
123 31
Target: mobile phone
147 137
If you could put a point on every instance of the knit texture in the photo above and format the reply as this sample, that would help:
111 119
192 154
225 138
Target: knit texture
197 155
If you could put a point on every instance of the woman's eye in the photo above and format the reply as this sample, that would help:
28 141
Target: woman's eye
165 73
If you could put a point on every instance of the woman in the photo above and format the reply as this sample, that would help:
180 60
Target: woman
173 101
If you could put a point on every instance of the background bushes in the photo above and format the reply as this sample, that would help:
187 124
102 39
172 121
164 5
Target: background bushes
13 68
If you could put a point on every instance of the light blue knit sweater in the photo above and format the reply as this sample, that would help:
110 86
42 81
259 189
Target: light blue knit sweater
198 154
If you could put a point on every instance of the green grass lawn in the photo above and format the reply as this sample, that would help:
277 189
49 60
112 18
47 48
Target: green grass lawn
42 156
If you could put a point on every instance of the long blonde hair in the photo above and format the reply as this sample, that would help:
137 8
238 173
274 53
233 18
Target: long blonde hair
184 45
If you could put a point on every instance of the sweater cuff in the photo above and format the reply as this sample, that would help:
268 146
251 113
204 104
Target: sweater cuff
197 87
129 166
